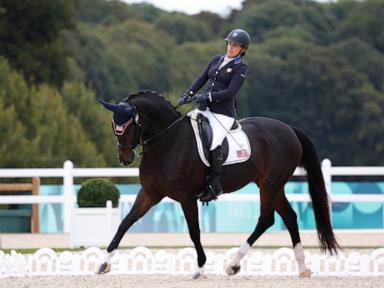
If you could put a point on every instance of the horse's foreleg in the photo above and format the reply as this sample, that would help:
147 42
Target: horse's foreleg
290 220
142 204
267 201
191 213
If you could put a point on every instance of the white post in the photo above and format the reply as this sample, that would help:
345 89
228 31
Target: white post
109 221
68 190
326 167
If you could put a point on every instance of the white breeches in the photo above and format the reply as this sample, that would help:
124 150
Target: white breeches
220 125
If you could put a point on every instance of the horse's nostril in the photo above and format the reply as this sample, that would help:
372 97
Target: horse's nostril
123 163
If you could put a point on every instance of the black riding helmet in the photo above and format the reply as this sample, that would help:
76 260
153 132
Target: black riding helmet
239 36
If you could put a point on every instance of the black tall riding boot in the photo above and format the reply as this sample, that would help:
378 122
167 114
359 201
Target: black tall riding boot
213 187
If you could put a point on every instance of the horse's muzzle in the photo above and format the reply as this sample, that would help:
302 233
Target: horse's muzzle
126 159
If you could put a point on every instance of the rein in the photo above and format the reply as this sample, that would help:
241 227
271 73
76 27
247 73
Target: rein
147 145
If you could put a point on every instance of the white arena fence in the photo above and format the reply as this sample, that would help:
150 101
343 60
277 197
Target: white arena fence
68 173
141 260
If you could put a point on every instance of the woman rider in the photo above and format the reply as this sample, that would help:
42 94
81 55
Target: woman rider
225 76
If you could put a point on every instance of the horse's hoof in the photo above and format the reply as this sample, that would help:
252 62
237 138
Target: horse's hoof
305 274
198 275
232 270
104 268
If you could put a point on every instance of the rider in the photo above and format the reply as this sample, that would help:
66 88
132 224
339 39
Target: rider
225 75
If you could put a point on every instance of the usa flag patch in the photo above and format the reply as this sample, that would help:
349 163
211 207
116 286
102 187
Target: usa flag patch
242 153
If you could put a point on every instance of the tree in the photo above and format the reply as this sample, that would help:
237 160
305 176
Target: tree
189 60
261 18
95 64
30 38
365 22
15 148
365 58
143 50
184 28
94 119
101 12
296 18
37 130
211 20
58 135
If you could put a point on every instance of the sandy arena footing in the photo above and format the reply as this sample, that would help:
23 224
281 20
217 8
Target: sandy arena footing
185 281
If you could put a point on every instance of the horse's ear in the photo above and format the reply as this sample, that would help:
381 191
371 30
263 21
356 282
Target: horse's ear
126 108
109 106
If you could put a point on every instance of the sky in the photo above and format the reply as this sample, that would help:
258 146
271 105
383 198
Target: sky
222 7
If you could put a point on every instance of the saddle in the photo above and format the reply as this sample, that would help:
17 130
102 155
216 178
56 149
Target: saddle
206 136
235 147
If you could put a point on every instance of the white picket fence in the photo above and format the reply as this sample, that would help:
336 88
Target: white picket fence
141 260
68 173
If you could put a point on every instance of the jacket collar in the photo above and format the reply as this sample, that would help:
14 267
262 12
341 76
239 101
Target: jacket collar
236 61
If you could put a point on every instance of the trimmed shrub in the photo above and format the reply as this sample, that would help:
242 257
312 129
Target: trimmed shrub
96 192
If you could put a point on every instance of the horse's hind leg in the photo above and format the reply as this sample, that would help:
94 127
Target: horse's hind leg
144 201
268 194
290 220
191 213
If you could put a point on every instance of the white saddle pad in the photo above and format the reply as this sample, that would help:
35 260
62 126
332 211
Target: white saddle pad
239 147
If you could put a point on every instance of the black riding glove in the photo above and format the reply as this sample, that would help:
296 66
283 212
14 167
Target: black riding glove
184 99
201 98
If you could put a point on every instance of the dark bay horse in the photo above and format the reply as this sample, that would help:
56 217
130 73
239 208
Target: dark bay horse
171 167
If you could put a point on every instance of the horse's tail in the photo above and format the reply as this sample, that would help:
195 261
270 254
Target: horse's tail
311 162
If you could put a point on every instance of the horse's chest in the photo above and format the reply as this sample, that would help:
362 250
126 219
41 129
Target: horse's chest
153 179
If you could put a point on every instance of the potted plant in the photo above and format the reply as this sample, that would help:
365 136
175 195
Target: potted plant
97 218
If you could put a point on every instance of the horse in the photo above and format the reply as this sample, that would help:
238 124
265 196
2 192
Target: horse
171 167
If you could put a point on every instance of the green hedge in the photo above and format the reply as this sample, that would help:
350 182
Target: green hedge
96 192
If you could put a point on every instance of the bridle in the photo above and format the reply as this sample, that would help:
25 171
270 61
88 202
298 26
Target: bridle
120 130
149 143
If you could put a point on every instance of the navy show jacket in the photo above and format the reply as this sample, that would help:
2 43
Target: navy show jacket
223 84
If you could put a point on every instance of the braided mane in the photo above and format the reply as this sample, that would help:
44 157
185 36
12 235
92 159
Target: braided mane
153 96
